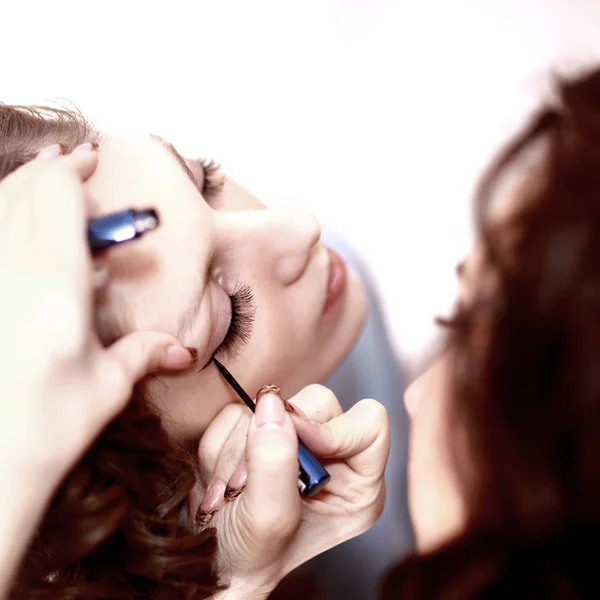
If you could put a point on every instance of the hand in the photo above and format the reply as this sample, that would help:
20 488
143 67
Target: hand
269 529
58 385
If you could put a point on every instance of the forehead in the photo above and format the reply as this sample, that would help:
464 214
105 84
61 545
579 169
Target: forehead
133 170
158 276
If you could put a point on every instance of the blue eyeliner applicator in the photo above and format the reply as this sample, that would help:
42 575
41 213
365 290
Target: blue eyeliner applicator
120 227
313 477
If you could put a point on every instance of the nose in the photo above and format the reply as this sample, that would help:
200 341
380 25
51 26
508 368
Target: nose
280 240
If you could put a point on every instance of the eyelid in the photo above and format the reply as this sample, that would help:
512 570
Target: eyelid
208 177
243 313
213 180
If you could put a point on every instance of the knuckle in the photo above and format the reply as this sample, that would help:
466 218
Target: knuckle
326 395
320 398
375 410
316 390
375 431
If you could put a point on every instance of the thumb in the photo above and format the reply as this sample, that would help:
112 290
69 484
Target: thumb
142 352
135 355
271 496
117 369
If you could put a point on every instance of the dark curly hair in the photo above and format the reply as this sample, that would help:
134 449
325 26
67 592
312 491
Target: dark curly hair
526 377
119 526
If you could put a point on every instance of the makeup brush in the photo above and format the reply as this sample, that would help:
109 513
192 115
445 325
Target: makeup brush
313 477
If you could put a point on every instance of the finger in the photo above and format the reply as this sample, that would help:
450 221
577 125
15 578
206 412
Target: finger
228 460
237 480
364 426
134 356
128 360
100 272
233 450
143 352
214 438
83 160
60 211
271 495
318 403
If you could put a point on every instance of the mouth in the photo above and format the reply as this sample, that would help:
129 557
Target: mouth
338 278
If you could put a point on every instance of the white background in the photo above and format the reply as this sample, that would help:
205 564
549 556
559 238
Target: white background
378 114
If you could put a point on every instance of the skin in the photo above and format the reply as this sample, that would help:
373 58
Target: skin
435 504
185 269
437 509
59 392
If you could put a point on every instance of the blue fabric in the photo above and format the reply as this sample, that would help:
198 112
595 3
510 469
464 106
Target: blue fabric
353 571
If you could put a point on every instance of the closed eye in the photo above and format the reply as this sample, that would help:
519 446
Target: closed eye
207 177
243 313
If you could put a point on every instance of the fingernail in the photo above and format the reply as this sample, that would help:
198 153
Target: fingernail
268 389
193 353
177 357
213 497
238 479
204 518
232 494
269 410
86 147
49 152
294 410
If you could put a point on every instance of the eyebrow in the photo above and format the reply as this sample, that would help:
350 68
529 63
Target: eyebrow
173 152
187 317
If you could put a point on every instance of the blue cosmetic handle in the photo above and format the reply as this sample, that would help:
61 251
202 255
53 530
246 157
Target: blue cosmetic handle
313 477
120 227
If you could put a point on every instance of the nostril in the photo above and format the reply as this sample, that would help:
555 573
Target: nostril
289 269
306 230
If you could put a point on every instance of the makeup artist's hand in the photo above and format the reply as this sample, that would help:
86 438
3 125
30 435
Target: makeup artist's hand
58 385
268 530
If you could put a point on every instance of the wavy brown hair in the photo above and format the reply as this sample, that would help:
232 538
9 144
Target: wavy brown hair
119 526
526 377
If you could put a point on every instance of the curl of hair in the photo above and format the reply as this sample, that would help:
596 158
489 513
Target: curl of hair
118 527
526 378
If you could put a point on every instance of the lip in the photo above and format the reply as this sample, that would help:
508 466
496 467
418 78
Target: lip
338 278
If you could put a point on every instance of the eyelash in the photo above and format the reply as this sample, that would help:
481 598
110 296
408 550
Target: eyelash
213 179
243 312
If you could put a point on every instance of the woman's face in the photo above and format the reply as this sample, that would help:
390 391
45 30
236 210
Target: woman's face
436 506
223 274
